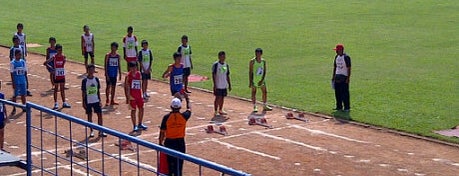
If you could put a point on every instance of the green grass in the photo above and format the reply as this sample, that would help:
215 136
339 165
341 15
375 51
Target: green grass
404 52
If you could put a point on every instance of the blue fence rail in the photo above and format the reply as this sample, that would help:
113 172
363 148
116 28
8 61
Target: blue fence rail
65 131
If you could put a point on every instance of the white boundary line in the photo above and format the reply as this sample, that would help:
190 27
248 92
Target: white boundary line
328 134
244 149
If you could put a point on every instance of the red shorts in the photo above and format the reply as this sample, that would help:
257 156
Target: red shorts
136 103
131 59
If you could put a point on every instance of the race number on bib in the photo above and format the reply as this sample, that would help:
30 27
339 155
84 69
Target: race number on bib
130 44
178 79
260 71
113 62
136 84
92 90
20 71
60 72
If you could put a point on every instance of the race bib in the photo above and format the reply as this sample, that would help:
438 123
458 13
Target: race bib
60 72
187 51
113 62
260 71
20 71
136 84
130 44
88 44
91 90
223 69
146 57
178 79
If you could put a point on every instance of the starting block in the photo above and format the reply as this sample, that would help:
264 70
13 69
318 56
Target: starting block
300 117
79 153
125 145
221 130
259 121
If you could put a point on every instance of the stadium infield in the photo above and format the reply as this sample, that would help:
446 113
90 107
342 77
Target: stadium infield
322 146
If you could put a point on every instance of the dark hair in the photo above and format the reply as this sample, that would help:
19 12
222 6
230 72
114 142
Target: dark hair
177 54
85 26
259 50
20 25
144 42
17 52
52 39
185 37
91 66
114 44
58 46
221 53
15 37
132 64
130 28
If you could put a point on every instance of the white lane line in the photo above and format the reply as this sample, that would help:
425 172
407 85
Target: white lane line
291 141
245 149
329 134
74 170
124 158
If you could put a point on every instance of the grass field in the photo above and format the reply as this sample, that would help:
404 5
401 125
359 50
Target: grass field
403 52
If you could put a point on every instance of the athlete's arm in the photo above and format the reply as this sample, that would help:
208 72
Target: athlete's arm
106 65
250 73
168 71
126 89
93 44
82 45
119 69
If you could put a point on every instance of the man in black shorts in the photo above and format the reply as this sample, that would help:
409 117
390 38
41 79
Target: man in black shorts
222 82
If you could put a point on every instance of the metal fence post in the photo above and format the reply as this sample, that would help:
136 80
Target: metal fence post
29 138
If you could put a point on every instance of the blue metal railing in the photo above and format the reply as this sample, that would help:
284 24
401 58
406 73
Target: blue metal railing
139 142
29 164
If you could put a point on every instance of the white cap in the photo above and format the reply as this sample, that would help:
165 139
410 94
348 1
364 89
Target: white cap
176 103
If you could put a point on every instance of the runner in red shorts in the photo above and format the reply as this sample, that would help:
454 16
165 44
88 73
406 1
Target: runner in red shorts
133 92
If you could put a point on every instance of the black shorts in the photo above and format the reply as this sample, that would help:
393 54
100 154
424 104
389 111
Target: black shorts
59 80
95 106
221 92
186 71
146 76
111 81
86 54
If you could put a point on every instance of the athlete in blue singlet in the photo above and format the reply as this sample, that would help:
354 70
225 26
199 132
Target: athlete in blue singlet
175 72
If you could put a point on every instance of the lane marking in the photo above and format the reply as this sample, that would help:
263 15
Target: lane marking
329 134
291 141
244 149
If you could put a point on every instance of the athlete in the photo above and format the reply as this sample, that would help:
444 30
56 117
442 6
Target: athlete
257 73
175 72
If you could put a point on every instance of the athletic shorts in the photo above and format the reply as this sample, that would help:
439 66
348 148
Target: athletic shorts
21 89
131 59
59 80
182 91
186 71
95 106
221 92
2 123
256 85
86 54
146 76
136 103
111 81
